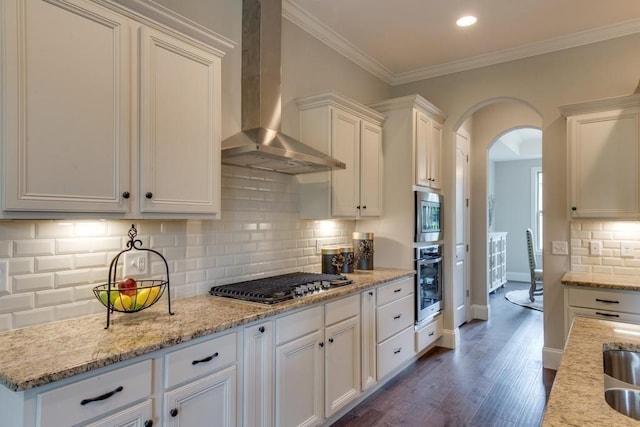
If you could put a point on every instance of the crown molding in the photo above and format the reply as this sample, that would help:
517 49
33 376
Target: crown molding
300 17
630 101
303 19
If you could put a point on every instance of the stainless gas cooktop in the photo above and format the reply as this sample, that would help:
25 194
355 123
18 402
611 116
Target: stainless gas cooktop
272 290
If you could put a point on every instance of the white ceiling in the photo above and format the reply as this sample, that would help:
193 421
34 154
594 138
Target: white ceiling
518 144
406 40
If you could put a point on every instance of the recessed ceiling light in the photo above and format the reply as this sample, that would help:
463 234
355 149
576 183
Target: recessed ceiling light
465 21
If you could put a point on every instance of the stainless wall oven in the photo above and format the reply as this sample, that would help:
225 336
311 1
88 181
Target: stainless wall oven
429 281
428 216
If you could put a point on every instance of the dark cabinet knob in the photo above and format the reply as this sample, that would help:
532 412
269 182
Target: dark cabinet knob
173 412
364 207
573 208
148 195
261 329
148 423
321 344
126 195
370 293
331 340
358 207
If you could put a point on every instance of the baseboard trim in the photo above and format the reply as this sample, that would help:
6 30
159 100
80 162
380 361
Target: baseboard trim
450 338
480 312
518 277
551 358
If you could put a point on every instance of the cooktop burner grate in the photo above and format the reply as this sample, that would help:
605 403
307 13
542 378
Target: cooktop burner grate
271 290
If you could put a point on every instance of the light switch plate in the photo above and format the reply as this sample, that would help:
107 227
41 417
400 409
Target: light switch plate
559 248
135 264
626 249
595 247
318 246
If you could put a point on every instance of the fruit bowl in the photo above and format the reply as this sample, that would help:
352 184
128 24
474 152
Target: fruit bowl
130 300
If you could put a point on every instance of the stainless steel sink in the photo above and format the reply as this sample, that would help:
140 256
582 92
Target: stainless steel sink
623 365
625 401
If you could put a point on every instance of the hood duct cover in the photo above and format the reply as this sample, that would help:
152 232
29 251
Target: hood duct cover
260 144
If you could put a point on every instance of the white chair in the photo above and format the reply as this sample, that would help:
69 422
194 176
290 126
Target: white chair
536 273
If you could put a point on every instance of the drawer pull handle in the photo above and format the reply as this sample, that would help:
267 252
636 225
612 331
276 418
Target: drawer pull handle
173 412
607 314
432 333
397 290
102 397
397 317
607 301
397 350
206 359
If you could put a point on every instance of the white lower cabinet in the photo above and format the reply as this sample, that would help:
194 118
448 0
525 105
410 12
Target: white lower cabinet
210 400
140 415
599 303
368 338
258 386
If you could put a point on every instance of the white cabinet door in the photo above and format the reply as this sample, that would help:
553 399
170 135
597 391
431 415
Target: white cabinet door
368 334
342 364
345 146
66 107
604 156
140 415
258 375
428 146
180 126
299 381
211 400
371 171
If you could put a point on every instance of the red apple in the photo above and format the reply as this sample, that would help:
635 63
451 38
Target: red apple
128 286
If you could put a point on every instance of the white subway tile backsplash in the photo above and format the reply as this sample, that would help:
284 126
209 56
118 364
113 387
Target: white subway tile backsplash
53 297
611 234
19 266
32 282
106 244
17 230
73 246
90 260
5 322
53 263
5 248
90 228
72 277
76 309
16 303
33 247
53 229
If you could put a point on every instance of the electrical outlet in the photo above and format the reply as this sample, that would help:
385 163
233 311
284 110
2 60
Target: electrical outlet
318 246
559 248
4 276
595 247
626 249
135 264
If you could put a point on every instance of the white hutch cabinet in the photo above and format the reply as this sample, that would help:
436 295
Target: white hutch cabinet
603 139
497 252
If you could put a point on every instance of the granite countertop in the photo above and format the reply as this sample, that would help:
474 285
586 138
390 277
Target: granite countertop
577 395
606 281
38 355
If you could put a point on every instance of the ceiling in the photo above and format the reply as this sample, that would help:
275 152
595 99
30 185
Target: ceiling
401 41
517 144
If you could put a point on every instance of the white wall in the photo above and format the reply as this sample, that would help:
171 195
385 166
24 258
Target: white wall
513 212
600 70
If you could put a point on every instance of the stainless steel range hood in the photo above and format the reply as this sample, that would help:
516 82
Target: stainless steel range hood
260 144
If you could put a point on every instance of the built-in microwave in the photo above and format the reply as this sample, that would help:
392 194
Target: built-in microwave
428 214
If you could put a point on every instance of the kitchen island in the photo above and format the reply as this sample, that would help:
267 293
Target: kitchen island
577 395
38 355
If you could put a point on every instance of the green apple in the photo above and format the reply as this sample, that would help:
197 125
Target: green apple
112 297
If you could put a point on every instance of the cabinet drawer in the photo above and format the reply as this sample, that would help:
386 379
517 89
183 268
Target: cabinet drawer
337 311
628 302
200 359
426 335
602 315
395 290
298 324
394 317
395 351
73 404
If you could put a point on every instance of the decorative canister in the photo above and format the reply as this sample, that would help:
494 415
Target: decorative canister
332 260
363 248
347 253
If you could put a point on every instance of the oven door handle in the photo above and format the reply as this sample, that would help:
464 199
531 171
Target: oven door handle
429 260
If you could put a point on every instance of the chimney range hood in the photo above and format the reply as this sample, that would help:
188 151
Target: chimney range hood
260 144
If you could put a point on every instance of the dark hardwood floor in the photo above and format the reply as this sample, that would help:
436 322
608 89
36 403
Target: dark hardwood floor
494 378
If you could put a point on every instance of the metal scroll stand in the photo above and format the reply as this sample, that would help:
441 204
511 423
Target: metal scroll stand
136 244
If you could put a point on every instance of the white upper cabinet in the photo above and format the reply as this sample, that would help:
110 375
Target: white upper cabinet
351 133
415 126
105 114
67 106
179 126
603 140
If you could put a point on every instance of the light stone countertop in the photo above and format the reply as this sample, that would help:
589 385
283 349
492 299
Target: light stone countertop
577 395
38 355
605 281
